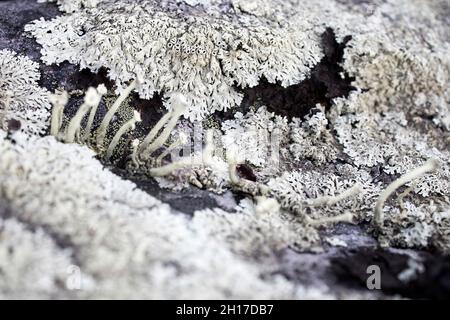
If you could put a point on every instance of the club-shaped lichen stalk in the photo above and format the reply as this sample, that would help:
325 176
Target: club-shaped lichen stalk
178 107
182 139
429 166
91 99
129 125
232 165
134 156
101 89
331 200
346 217
102 130
208 151
59 101
154 131
204 158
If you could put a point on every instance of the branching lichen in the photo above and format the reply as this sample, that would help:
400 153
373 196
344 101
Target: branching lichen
116 234
142 152
312 139
21 98
429 166
201 51
316 195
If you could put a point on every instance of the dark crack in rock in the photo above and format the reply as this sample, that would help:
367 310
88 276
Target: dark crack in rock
324 84
432 283
186 201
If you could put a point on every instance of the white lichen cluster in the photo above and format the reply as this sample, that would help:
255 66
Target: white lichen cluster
412 224
417 163
437 183
272 144
202 51
206 48
254 136
311 193
404 64
312 139
255 230
341 193
65 213
357 131
21 98
378 157
388 140
29 258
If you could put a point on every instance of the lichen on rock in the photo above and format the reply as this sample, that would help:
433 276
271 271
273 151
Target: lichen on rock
202 51
324 114
24 105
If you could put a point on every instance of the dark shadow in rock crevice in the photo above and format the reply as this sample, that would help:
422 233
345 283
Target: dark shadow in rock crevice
432 283
186 201
69 77
324 85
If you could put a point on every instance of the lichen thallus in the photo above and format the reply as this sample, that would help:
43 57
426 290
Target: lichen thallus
143 153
